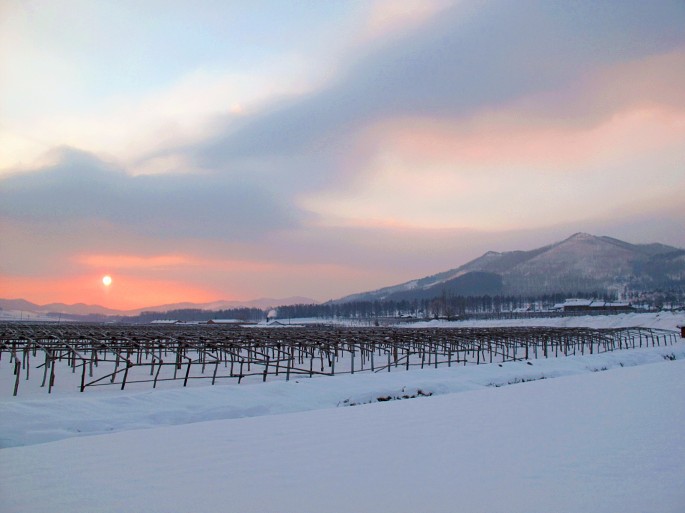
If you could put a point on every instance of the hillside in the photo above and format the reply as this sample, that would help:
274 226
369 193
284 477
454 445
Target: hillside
580 263
21 305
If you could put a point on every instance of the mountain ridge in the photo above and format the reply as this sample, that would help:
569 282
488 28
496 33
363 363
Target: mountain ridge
88 309
579 263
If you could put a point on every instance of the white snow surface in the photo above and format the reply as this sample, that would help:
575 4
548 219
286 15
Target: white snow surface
661 320
605 435
34 421
600 442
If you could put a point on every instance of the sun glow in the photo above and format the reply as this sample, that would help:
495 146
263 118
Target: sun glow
107 280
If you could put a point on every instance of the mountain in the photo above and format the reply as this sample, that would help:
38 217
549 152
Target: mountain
581 263
84 309
74 309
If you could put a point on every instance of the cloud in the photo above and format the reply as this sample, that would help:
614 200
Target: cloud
80 187
388 17
462 61
123 261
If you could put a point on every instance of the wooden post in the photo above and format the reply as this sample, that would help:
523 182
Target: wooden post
17 371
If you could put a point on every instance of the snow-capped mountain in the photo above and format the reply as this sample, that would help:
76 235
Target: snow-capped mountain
581 263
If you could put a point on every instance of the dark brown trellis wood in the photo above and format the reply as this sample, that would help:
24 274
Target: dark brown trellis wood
217 352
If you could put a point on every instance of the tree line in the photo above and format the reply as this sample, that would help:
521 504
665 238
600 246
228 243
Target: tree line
196 315
444 306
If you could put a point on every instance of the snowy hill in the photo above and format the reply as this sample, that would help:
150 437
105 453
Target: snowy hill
581 263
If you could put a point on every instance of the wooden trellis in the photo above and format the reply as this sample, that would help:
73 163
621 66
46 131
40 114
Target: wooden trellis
123 354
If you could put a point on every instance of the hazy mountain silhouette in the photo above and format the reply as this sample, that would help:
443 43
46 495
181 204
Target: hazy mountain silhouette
581 263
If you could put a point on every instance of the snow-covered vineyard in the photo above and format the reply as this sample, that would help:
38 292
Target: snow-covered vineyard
88 356
595 426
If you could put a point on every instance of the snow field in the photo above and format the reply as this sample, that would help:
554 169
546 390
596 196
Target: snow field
598 442
605 435
660 320
31 421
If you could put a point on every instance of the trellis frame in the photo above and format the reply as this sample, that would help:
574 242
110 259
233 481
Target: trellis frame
243 352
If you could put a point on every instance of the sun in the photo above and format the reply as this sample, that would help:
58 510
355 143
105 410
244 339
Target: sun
107 280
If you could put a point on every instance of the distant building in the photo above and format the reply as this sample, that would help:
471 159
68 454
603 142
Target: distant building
225 321
279 324
275 323
592 305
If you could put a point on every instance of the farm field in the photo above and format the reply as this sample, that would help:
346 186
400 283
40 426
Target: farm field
595 432
49 358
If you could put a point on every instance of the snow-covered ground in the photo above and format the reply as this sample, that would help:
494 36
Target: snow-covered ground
599 442
605 434
661 320
32 421
23 316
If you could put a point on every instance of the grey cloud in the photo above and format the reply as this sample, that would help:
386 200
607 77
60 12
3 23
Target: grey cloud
80 186
454 65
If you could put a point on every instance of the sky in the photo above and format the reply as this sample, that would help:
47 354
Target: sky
208 150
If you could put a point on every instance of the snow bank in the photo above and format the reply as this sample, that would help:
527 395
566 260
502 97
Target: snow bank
598 442
658 320
33 421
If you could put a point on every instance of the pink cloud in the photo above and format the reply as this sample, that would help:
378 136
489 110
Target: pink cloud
631 107
104 261
387 17
491 143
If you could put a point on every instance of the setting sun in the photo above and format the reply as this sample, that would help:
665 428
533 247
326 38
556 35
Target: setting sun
107 280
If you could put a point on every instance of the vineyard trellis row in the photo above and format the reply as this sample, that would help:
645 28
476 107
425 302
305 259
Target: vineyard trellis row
124 354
